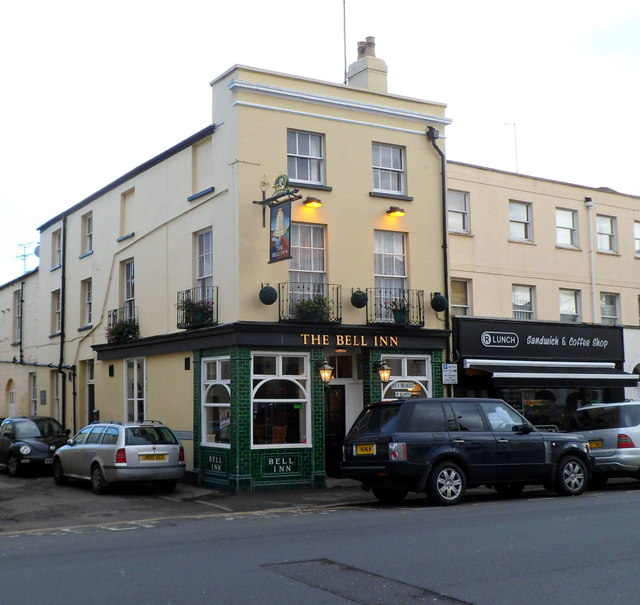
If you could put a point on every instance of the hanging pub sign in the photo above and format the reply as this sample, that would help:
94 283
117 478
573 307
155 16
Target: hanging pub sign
280 232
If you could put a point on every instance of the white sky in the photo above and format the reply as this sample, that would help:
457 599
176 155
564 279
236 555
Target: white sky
90 89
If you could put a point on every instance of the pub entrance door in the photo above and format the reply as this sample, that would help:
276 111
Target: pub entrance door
334 405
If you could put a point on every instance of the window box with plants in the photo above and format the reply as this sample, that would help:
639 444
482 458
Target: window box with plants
317 308
122 331
194 313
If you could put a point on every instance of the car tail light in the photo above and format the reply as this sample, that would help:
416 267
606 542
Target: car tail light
625 441
121 455
398 451
181 455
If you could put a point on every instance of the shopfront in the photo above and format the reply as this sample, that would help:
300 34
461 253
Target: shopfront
544 369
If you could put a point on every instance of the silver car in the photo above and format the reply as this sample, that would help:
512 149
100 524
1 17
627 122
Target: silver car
613 431
110 452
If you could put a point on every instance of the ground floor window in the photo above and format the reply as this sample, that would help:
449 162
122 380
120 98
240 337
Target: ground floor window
410 376
135 386
216 407
280 399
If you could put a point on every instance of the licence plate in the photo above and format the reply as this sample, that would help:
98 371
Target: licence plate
48 460
366 449
595 443
153 457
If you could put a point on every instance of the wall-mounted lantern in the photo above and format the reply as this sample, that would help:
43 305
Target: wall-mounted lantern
326 371
395 211
384 371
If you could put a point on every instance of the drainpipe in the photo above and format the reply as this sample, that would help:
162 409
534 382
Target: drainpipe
21 324
588 202
63 268
433 135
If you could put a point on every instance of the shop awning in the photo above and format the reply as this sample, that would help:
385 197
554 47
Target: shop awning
512 373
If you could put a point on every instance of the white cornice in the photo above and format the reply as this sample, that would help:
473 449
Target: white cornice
335 102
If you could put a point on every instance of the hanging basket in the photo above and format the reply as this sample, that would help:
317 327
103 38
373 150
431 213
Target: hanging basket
268 295
359 299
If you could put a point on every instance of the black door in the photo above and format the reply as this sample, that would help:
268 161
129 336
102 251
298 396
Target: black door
334 429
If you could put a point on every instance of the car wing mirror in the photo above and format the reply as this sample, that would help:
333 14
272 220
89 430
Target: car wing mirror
70 442
522 429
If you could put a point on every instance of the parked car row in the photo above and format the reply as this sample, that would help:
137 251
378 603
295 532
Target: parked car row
445 446
103 453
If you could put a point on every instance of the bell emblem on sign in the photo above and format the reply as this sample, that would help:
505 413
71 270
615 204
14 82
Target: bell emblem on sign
279 229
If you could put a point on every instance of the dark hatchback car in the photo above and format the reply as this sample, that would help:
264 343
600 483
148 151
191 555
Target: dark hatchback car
29 442
444 446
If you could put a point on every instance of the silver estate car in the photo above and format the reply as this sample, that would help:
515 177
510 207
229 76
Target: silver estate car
613 431
110 452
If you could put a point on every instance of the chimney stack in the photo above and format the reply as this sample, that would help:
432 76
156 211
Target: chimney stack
368 71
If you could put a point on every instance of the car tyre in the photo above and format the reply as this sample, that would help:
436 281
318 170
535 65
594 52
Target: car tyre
98 483
388 495
58 473
13 466
447 484
167 486
571 476
509 490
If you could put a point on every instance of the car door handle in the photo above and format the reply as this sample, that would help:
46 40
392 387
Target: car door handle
505 441
458 441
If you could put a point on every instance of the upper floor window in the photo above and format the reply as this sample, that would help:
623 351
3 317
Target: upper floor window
204 263
606 228
305 157
523 302
636 237
570 306
520 221
609 308
56 312
388 168
460 297
566 229
56 249
87 233
129 290
17 316
307 262
458 211
86 302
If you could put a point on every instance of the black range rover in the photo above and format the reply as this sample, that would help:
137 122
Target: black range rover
444 446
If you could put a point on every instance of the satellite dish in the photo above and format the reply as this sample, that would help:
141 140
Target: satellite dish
36 251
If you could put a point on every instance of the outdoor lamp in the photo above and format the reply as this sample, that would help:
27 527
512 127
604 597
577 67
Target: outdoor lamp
326 371
312 202
384 371
395 211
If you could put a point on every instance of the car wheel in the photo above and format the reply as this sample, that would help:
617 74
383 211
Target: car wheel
58 473
446 484
13 466
167 486
509 490
98 484
571 476
388 495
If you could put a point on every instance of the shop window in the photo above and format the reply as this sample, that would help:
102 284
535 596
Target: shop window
410 377
216 404
280 400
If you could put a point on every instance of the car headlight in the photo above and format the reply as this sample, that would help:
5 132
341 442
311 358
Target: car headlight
25 450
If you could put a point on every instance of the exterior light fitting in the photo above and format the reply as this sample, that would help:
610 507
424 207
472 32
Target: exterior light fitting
395 211
384 371
312 202
326 371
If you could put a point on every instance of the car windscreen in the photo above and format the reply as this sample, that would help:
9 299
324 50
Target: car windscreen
381 418
145 435
611 417
38 427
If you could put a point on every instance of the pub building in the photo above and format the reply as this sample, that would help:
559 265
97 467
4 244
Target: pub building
545 370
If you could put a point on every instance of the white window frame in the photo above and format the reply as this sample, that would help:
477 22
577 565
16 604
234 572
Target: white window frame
400 362
305 154
458 211
220 379
566 230
135 371
308 253
56 312
606 228
56 249
609 301
87 233
636 238
86 288
204 264
17 317
388 164
33 392
302 381
569 305
390 269
519 310
129 289
455 304
520 227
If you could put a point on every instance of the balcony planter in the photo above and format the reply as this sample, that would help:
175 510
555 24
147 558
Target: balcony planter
122 331
359 299
400 317
196 313
268 295
317 308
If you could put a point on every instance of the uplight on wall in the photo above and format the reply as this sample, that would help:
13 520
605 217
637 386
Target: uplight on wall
395 211
312 202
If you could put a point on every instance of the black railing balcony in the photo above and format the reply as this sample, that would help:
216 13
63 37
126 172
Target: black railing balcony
395 306
122 325
309 302
198 307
